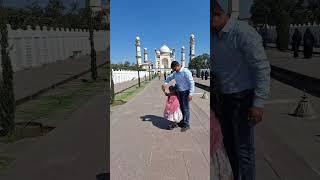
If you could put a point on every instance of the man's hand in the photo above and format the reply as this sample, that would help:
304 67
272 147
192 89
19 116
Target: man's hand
190 98
255 114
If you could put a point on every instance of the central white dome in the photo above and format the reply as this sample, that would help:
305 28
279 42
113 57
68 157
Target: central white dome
164 49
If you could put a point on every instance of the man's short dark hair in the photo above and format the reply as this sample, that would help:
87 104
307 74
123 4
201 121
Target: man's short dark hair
215 8
174 64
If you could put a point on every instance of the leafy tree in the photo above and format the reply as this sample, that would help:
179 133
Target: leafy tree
7 99
35 14
313 11
54 12
274 12
200 62
72 15
17 17
298 13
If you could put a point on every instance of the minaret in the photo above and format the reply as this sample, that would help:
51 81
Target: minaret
183 57
173 54
192 47
138 51
145 55
156 57
233 8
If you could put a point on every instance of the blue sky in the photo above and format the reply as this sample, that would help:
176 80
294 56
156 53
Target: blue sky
157 22
160 22
167 22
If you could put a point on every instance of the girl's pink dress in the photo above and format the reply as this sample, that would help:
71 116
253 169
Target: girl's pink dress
220 166
172 110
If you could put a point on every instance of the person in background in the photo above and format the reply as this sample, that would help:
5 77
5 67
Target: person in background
308 43
296 40
202 74
206 75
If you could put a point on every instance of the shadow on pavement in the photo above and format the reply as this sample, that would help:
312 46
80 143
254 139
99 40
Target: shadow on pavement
157 121
103 176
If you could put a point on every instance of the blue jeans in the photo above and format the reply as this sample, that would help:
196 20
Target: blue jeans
184 106
238 133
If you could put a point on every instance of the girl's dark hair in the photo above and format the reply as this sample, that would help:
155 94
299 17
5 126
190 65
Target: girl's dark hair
172 88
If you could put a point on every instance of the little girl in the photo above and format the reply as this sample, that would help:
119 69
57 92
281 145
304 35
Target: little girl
172 110
220 166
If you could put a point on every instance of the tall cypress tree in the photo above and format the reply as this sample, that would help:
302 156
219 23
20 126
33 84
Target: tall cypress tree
7 99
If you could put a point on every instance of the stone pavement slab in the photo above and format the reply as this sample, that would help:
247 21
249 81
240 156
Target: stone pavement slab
30 81
288 144
146 150
200 81
273 45
77 149
285 60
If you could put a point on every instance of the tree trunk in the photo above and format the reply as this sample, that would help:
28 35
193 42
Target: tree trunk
93 54
7 99
283 31
112 95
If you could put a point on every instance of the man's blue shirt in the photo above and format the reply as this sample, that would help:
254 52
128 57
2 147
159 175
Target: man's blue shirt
239 61
183 79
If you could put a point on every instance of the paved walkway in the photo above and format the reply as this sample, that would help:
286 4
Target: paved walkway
30 81
144 150
315 49
124 85
309 67
287 146
200 81
77 149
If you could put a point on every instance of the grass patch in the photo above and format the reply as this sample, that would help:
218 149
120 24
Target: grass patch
62 99
65 100
126 95
57 103
24 131
11 139
5 161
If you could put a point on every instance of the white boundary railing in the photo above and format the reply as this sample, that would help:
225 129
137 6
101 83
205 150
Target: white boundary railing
32 48
123 75
315 29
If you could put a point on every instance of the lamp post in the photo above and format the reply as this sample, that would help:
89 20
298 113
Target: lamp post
149 71
138 69
93 53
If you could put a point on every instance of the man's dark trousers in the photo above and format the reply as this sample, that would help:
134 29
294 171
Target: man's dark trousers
184 106
238 133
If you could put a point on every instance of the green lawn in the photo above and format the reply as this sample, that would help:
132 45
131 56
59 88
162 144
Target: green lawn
58 102
5 162
64 100
126 95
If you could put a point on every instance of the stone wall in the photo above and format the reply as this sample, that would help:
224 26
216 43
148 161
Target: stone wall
32 48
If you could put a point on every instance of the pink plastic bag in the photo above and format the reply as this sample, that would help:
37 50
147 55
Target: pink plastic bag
215 133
